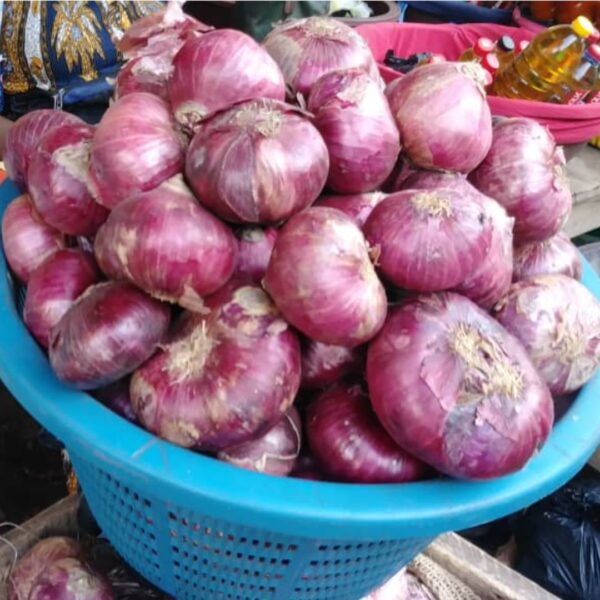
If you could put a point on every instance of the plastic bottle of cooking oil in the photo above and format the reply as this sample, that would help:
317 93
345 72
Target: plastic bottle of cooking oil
505 50
481 47
582 81
550 57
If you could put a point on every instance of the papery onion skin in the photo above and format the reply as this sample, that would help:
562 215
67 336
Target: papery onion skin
29 568
108 332
457 390
306 49
444 119
554 256
217 70
24 136
116 397
321 278
53 287
224 379
274 453
135 149
354 118
429 240
26 239
403 586
491 280
70 579
356 206
350 445
57 180
255 246
324 364
524 172
258 162
145 74
558 321
164 242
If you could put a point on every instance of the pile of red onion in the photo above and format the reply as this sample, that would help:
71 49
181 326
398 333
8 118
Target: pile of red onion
354 285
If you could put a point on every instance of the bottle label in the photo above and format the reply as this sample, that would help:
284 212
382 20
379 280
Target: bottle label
576 97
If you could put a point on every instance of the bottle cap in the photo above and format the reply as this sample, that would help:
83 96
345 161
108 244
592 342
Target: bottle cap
490 63
506 43
583 27
483 46
594 51
594 37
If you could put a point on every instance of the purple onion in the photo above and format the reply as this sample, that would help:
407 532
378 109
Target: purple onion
324 364
356 206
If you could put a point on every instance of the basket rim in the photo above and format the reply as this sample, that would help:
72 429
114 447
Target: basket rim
174 475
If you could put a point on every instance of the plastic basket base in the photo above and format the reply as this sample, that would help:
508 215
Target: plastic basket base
192 556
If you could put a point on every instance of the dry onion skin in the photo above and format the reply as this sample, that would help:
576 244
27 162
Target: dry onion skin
454 388
558 321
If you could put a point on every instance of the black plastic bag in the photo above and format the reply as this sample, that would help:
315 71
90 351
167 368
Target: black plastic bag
558 540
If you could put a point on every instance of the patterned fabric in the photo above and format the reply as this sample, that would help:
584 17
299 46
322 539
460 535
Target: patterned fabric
60 45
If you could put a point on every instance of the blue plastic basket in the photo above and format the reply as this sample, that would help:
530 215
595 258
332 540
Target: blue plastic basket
199 528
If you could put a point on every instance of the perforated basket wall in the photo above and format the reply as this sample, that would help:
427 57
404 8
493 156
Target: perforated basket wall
198 557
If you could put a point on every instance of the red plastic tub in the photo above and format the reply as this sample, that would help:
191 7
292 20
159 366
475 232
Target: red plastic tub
569 124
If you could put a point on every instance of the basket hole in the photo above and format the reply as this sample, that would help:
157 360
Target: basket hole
322 548
285 562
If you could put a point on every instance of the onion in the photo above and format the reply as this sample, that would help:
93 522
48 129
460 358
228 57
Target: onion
108 332
225 378
356 206
218 69
255 246
405 586
454 388
116 397
274 453
24 136
524 172
324 364
57 180
443 116
556 255
148 73
27 240
35 563
491 280
321 278
306 49
259 162
558 321
306 468
168 245
52 289
429 240
70 579
349 444
354 118
134 150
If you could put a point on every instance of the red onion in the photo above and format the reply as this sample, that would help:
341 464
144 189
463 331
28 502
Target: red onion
218 69
24 137
274 453
36 562
454 388
108 332
57 180
134 150
52 289
306 468
321 278
116 397
70 579
259 162
354 118
558 321
27 240
357 206
164 242
524 172
148 73
443 116
350 445
226 378
306 49
324 364
255 248
556 255
429 240
491 280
